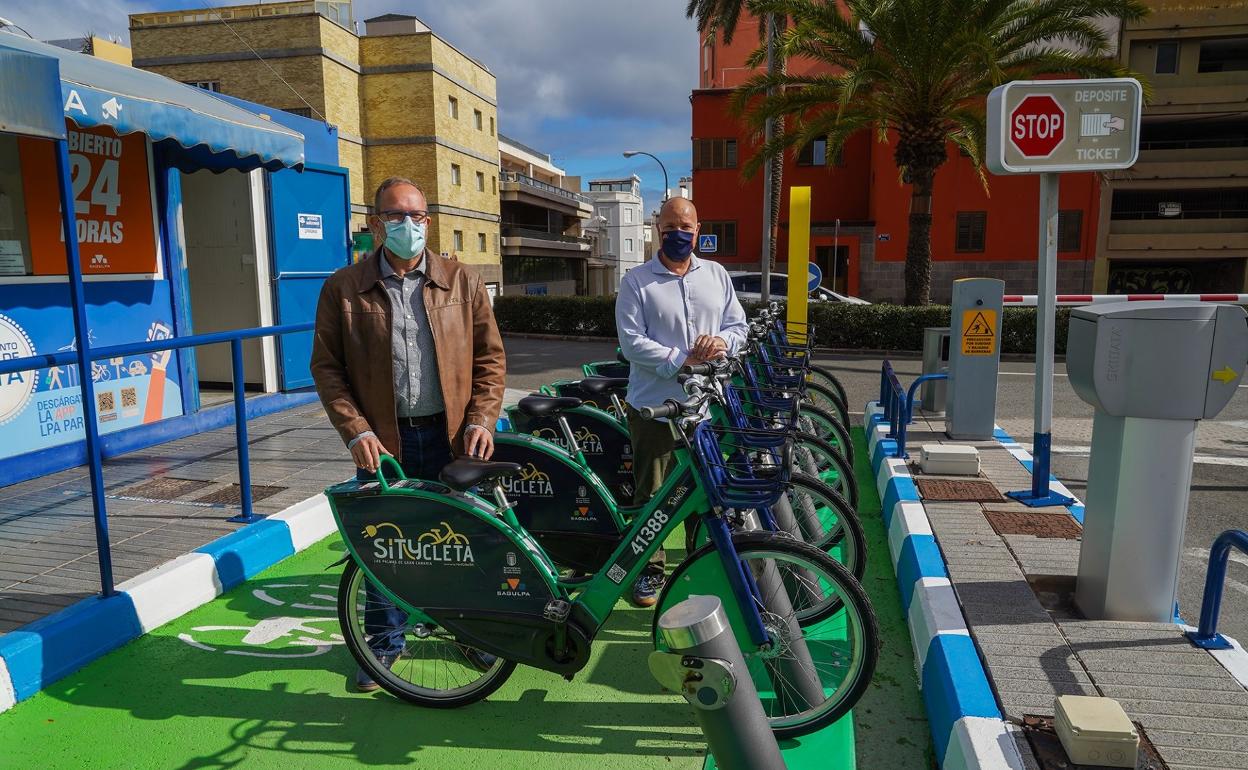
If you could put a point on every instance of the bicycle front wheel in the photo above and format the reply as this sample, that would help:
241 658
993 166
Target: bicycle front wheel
820 459
823 635
827 399
825 377
825 520
823 424
431 669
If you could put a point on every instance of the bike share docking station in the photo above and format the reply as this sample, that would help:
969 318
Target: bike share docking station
706 667
1151 370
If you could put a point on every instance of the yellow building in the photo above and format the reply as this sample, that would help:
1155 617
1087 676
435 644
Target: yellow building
405 102
1178 221
94 45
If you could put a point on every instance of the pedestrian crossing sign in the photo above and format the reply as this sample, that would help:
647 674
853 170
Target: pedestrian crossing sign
708 244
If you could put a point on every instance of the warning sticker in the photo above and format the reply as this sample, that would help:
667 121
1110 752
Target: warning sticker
979 337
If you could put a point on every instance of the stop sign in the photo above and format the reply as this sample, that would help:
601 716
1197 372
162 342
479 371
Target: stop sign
1037 126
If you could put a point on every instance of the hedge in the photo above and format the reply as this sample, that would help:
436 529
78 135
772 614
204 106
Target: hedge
837 325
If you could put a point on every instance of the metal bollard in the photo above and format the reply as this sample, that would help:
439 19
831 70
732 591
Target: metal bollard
705 665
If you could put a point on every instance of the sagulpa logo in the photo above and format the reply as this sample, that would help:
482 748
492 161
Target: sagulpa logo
99 262
440 545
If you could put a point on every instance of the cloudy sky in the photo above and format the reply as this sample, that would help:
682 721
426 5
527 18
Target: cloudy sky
581 79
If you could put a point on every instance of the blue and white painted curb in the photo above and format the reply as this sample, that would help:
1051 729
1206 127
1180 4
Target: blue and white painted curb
38 654
1025 459
968 728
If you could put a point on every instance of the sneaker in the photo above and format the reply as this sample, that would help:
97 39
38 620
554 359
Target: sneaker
364 682
646 590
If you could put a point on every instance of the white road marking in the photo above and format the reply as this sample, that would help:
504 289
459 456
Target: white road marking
1201 555
1085 451
1029 374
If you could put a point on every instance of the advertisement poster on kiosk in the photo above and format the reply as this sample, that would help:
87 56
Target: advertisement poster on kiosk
129 297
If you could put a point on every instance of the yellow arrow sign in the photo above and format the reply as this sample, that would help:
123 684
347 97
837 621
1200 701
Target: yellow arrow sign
1225 374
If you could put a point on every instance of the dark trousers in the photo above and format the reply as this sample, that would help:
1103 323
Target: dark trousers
426 451
653 459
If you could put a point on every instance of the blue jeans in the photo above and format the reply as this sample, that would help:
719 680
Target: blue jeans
426 451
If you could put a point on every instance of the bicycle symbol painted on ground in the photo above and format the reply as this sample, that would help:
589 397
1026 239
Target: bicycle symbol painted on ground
277 637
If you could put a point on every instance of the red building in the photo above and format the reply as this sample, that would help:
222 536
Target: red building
974 233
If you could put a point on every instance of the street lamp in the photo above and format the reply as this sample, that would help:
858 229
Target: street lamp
631 153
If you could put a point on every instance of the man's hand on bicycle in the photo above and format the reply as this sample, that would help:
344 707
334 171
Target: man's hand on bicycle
367 453
707 348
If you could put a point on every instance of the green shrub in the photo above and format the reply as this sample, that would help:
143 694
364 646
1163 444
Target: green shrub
845 326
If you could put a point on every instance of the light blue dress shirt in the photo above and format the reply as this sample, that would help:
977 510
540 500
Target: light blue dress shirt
659 315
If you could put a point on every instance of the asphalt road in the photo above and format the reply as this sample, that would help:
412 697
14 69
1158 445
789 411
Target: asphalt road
1219 499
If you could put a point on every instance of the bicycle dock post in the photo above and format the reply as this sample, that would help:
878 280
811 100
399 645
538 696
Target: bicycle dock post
705 665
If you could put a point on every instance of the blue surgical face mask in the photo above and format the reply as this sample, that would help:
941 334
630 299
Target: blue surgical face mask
677 245
405 239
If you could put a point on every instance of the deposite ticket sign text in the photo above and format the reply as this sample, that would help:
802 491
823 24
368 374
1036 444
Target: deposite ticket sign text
112 203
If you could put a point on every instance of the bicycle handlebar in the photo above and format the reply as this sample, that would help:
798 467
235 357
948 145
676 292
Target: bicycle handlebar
670 408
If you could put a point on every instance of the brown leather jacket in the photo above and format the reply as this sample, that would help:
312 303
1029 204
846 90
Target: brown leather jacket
351 359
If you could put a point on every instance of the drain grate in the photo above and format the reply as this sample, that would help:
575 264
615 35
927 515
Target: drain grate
232 495
1056 525
1049 752
164 488
967 491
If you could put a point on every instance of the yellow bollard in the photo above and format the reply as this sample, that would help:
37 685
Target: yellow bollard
799 257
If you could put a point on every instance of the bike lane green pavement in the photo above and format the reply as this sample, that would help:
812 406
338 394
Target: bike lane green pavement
260 678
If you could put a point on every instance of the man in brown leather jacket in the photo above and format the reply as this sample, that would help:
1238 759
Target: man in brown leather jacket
408 362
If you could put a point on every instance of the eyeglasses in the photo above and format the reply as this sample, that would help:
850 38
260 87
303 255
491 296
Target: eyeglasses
394 217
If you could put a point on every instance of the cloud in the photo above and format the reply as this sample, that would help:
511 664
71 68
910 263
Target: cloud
71 18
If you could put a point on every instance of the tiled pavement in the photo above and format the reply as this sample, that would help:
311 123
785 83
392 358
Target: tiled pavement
1191 708
47 535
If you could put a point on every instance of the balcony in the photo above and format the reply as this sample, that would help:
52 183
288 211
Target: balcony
525 189
528 242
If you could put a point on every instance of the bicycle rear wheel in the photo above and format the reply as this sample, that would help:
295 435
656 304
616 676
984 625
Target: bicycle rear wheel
432 670
825 638
820 459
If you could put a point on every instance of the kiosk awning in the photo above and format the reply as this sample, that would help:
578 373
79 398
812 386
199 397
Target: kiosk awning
29 98
203 131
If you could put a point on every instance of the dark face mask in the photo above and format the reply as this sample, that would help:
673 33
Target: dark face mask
677 245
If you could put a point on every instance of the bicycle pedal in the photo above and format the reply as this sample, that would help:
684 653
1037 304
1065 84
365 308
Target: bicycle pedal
557 610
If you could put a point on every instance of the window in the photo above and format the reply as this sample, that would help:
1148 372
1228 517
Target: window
972 225
727 235
1069 230
452 107
481 242
628 245
1226 55
1189 134
1167 57
714 153
481 181
491 126
303 112
458 241
494 185
454 173
1208 203
814 153
207 85
628 216
477 120
608 245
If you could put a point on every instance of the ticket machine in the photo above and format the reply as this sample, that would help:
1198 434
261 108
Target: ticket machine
1152 370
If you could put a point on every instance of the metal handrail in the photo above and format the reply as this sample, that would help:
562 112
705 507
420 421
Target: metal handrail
525 179
236 339
1206 635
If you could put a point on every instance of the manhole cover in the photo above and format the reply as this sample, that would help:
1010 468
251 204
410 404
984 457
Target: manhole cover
1059 525
165 488
232 495
1051 756
970 491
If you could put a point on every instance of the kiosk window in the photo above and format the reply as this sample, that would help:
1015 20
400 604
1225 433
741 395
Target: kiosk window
14 233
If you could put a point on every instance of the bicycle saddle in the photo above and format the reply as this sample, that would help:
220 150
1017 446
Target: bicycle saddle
598 386
539 406
467 472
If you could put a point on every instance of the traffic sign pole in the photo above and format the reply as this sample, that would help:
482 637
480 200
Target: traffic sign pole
1046 322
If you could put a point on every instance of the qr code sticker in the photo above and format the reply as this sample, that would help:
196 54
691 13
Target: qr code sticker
616 574
129 398
105 401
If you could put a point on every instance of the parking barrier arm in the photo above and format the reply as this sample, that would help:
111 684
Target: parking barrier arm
1207 636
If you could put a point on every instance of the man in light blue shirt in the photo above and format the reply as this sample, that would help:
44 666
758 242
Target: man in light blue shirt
674 310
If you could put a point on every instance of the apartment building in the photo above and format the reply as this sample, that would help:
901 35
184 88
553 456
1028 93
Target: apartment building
618 203
544 249
405 101
1178 221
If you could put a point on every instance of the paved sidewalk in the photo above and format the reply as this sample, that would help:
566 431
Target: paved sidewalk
163 502
1014 588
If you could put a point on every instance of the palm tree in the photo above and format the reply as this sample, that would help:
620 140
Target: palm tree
722 16
918 72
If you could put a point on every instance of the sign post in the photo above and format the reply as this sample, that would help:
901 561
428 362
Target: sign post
1047 127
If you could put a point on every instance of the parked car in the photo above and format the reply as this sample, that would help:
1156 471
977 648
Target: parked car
749 286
